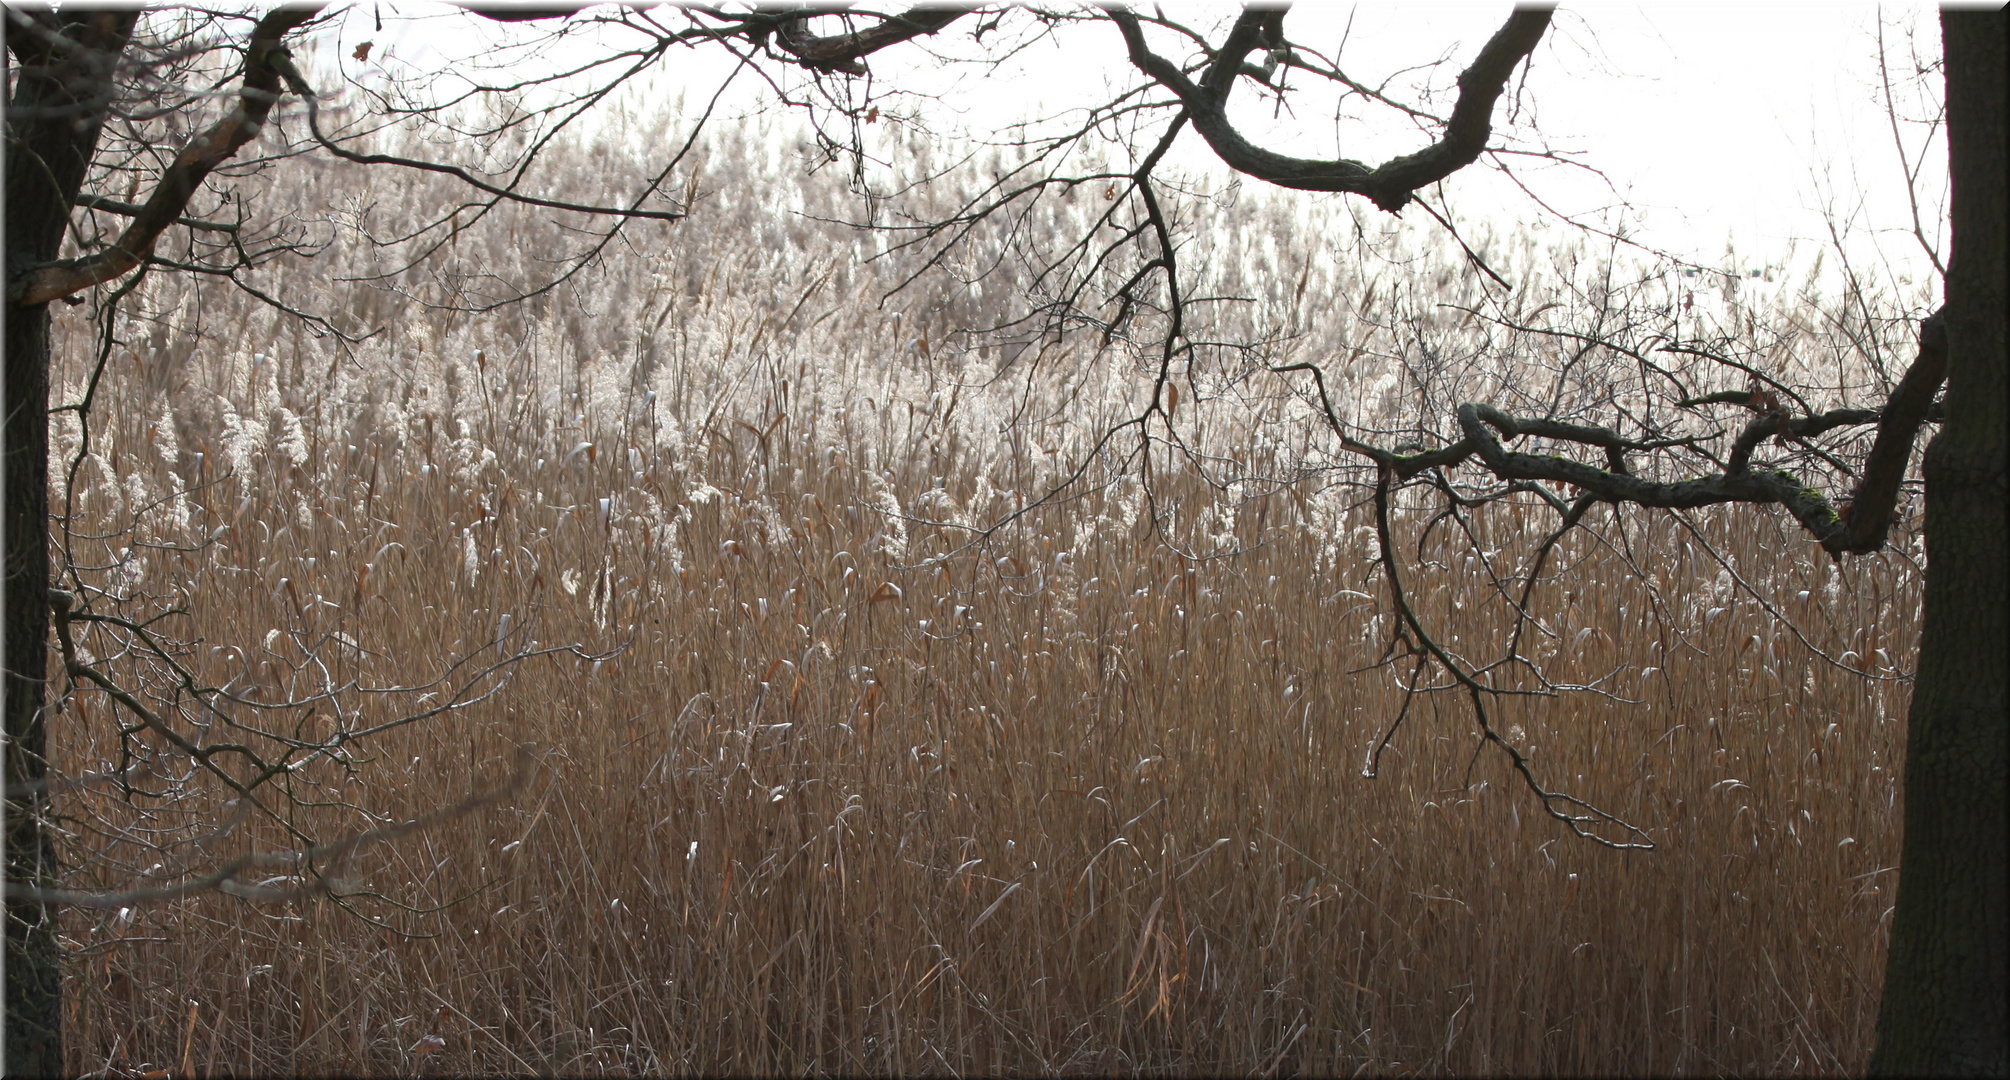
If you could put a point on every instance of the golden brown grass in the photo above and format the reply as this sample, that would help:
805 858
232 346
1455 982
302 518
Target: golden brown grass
1061 802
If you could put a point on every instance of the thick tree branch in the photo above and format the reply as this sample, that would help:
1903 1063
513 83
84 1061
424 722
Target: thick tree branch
1390 185
1776 423
845 52
181 180
522 13
1859 527
1484 425
1869 509
1479 423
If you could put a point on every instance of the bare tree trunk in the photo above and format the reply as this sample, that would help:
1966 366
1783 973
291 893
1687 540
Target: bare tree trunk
34 971
1944 989
60 93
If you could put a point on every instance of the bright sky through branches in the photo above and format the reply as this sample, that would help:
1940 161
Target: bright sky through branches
1760 125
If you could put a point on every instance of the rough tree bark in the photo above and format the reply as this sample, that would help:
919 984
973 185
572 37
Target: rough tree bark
1943 1010
55 112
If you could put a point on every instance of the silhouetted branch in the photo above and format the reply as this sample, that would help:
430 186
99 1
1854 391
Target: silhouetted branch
1870 507
296 869
845 52
263 58
1390 185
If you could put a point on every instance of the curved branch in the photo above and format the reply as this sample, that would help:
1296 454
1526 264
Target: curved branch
126 209
1870 507
846 52
1389 185
263 58
505 13
1579 816
299 84
297 868
1479 423
1860 526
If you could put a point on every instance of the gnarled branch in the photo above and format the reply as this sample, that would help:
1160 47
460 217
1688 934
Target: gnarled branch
1389 185
179 183
1870 507
846 52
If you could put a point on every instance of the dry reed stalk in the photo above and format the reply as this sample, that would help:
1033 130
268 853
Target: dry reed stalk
843 795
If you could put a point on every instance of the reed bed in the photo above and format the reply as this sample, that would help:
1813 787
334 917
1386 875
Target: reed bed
829 785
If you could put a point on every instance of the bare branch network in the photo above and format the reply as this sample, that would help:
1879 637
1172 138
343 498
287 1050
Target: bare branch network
1694 418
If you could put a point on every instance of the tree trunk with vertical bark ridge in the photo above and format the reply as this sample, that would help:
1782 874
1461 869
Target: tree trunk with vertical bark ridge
1943 1011
60 75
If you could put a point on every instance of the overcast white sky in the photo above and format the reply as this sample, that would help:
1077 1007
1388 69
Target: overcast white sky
1756 122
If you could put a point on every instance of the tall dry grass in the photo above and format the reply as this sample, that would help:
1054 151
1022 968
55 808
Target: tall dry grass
828 788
